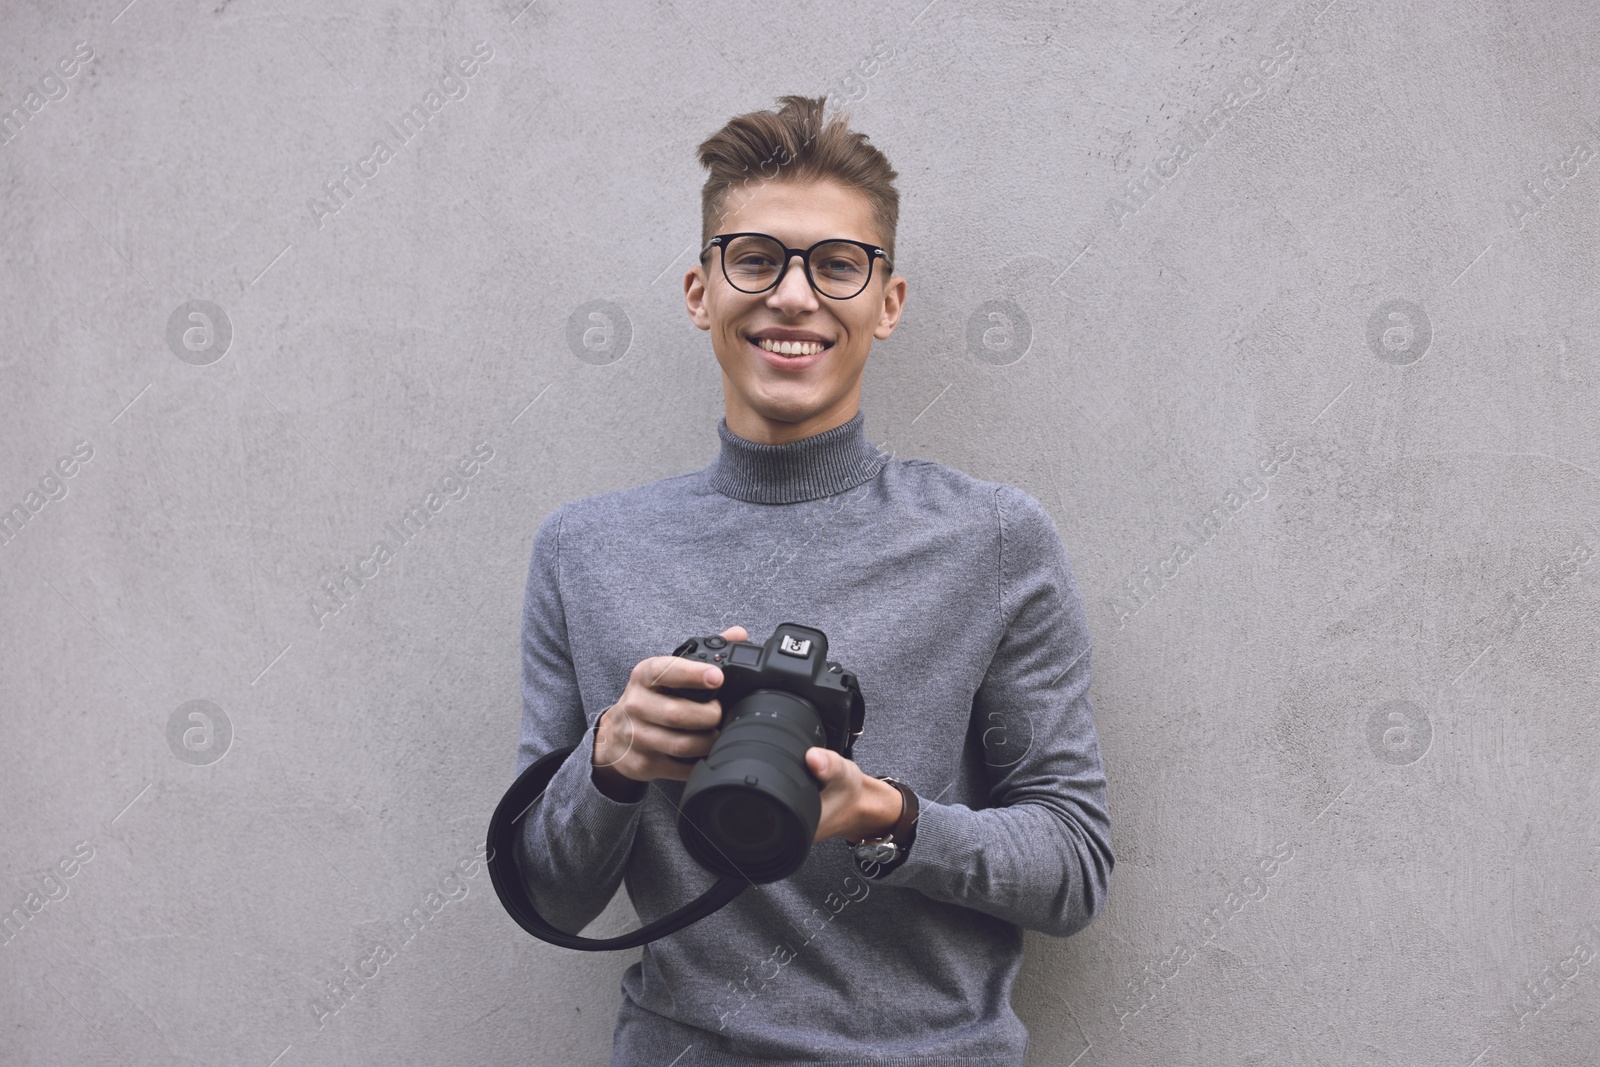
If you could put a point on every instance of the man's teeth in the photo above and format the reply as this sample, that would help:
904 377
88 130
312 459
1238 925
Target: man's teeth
791 348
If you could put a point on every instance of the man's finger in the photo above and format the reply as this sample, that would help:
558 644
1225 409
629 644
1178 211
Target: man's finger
820 761
678 713
666 767
679 672
688 744
676 672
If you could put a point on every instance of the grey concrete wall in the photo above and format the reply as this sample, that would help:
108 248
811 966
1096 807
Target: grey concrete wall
1347 708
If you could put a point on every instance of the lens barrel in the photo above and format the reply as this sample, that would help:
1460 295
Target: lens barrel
750 808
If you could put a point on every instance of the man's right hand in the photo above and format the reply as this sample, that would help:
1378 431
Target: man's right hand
649 734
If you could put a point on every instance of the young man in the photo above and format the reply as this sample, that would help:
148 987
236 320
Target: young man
951 599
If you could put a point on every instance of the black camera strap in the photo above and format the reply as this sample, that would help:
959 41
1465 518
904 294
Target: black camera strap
513 893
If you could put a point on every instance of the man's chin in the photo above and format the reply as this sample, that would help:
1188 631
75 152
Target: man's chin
794 405
787 411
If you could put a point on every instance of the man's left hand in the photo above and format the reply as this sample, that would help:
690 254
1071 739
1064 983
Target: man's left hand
855 805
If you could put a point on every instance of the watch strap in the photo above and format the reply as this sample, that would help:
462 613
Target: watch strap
906 827
899 838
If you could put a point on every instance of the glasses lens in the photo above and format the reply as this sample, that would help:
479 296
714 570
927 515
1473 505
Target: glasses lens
840 268
752 263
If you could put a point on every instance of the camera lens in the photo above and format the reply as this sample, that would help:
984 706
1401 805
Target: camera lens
750 808
744 820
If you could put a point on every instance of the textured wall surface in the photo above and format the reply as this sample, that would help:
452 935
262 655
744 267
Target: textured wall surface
1346 707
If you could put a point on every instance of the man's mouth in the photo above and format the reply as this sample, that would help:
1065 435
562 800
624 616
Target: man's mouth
792 348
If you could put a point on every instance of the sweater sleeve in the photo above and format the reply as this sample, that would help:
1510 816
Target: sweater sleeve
575 839
1039 852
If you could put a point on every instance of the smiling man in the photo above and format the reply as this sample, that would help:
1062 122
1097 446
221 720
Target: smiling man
974 807
792 353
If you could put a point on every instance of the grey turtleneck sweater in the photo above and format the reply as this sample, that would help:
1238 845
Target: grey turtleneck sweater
953 601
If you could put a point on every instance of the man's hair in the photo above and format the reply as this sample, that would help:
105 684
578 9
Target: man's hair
794 144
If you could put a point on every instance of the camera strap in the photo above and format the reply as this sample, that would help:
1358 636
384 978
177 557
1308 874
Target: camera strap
513 893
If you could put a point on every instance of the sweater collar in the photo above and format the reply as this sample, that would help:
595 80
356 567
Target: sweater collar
817 466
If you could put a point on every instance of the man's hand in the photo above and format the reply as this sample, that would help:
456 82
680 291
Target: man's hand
854 805
648 734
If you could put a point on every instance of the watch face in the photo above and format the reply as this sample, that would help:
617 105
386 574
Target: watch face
881 852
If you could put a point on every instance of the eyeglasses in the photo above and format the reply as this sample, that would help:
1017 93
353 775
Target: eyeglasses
838 268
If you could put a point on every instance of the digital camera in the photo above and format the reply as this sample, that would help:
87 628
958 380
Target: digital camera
750 807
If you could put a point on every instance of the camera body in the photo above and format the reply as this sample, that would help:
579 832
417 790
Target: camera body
750 807
794 659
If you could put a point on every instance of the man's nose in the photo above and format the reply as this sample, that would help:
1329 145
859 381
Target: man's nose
794 290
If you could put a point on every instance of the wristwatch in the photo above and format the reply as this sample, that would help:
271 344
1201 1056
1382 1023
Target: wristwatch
877 856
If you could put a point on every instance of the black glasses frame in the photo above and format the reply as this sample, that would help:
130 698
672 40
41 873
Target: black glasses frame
874 253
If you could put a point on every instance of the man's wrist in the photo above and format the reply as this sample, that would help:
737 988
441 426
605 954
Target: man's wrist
876 856
611 782
882 805
616 785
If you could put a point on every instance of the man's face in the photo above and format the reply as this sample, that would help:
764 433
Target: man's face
773 398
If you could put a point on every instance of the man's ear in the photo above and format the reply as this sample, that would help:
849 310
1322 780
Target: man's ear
894 303
694 297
